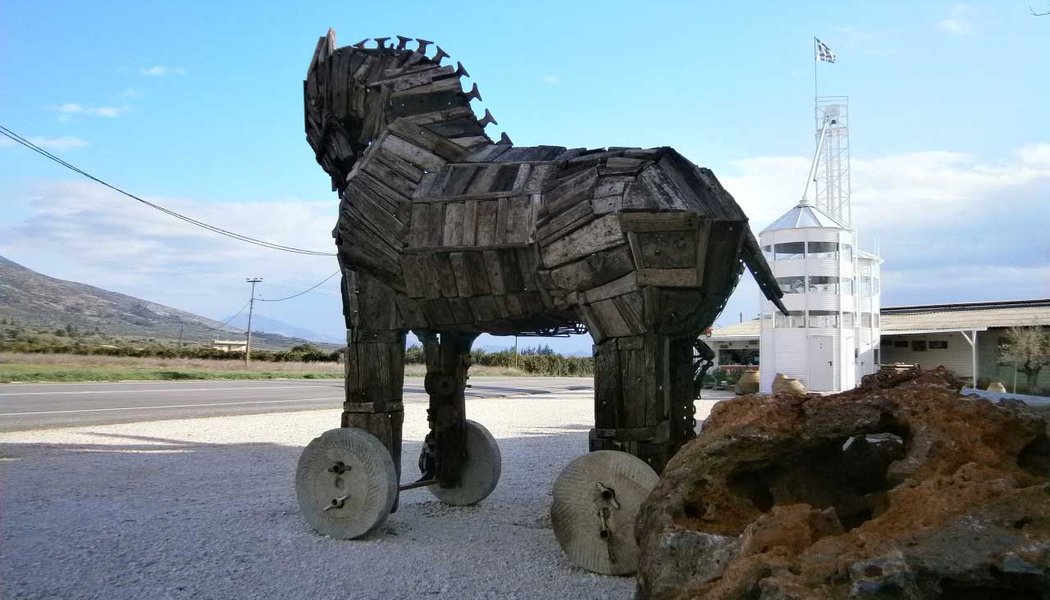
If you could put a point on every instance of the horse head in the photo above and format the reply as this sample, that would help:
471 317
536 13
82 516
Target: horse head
352 93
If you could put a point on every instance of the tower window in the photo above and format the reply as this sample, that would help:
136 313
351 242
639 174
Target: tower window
823 250
789 251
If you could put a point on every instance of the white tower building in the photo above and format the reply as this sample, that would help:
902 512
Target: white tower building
830 339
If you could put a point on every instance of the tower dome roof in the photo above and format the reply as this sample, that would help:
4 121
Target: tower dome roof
803 215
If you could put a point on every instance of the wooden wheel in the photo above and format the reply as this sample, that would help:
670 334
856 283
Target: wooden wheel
596 501
346 483
481 470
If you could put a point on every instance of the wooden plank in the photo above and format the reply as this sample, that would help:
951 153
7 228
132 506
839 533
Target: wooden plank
564 223
630 308
659 221
597 235
539 176
453 230
486 222
503 207
461 273
703 235
478 273
623 164
446 278
638 388
516 228
667 249
592 271
612 289
461 310
576 189
612 322
484 180
394 179
484 309
502 307
410 311
511 269
669 277
611 186
412 154
607 204
435 225
437 312
487 153
460 177
414 275
494 269
470 222
430 181
658 363
506 176
594 326
607 387
438 115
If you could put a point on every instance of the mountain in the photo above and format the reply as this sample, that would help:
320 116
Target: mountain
33 299
264 323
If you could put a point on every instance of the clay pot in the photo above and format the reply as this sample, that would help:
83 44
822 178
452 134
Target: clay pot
997 386
790 385
748 383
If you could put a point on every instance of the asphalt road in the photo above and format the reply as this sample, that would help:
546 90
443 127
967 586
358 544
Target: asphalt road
46 406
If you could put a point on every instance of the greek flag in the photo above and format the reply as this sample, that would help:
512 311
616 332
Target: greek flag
823 52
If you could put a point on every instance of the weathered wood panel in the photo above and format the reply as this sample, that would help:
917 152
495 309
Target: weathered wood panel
598 235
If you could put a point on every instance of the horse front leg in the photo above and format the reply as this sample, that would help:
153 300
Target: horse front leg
347 479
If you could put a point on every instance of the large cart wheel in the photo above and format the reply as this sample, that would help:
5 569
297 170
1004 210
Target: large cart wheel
481 470
346 483
596 501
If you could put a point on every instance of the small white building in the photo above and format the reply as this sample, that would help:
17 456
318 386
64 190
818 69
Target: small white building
830 337
962 337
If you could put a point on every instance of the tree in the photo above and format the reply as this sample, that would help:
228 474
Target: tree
1028 350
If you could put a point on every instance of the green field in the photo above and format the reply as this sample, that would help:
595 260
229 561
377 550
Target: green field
39 368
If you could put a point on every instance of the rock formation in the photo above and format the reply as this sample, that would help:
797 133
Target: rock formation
900 488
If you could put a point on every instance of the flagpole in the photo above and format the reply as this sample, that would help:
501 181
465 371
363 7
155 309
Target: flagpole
816 124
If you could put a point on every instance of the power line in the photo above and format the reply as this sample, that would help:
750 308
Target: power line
325 280
243 238
237 314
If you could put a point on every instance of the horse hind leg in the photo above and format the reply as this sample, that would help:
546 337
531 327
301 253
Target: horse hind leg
644 396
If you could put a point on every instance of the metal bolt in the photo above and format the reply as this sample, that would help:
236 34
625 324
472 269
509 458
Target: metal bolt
336 503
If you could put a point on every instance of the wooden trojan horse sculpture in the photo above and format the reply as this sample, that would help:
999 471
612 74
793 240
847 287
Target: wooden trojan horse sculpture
448 234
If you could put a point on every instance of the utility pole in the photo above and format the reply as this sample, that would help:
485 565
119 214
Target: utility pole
251 307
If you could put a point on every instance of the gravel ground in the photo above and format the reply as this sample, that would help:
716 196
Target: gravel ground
205 508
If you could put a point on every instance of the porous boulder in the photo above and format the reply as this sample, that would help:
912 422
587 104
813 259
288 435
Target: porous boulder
900 488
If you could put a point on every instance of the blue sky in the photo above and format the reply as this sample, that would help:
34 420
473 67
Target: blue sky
198 106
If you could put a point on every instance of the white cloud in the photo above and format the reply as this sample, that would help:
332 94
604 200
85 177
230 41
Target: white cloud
161 71
72 108
80 231
551 79
1036 154
951 227
958 21
49 143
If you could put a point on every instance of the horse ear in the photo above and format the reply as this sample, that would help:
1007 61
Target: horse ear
325 48
330 39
